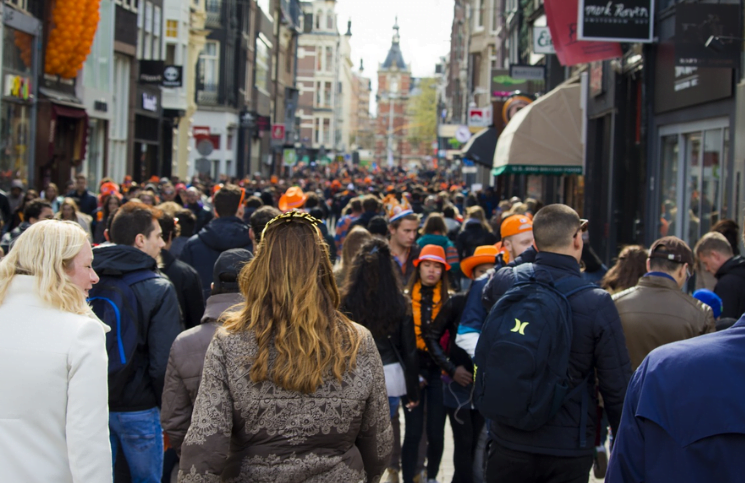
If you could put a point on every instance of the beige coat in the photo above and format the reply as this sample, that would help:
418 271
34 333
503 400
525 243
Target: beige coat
54 422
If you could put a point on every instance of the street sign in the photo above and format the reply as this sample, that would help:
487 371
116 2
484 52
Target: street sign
528 72
480 116
202 165
289 156
542 43
201 131
205 147
278 132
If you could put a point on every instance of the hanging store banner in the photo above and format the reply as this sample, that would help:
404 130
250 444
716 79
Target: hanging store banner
616 21
562 21
503 86
542 43
695 23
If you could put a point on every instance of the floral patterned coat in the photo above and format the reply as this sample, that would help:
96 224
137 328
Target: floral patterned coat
259 432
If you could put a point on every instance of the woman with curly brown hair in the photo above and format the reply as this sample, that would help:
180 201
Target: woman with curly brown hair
292 390
629 268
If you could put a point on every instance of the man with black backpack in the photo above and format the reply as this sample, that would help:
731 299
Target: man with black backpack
142 309
542 346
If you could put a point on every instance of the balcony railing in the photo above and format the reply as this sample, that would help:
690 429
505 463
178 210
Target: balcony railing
214 13
208 93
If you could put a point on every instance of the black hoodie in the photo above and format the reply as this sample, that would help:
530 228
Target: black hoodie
160 325
731 287
202 249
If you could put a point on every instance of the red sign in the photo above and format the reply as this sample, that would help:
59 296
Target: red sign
278 132
201 131
561 16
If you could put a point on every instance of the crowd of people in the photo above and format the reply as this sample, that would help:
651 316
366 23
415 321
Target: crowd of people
327 327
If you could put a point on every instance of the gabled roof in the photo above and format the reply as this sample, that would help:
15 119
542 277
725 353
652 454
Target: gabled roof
395 58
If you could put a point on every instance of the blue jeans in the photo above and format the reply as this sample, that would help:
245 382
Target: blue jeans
141 439
393 403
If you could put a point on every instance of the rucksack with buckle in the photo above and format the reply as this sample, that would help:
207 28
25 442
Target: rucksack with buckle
522 356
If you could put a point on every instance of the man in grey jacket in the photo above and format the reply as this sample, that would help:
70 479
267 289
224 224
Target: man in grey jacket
187 354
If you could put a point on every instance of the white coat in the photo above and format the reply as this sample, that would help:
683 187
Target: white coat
54 424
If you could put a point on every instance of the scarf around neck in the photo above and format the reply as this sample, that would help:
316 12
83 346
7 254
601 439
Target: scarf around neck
417 298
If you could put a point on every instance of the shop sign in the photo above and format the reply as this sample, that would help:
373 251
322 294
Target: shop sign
596 78
201 131
151 72
528 72
278 132
616 21
561 16
542 43
173 76
503 85
149 102
695 23
289 156
17 86
480 117
677 87
263 123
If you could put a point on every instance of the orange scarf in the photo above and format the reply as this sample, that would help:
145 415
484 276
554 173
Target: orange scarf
416 302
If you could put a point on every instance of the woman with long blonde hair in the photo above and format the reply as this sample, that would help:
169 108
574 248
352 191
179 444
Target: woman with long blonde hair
54 420
292 390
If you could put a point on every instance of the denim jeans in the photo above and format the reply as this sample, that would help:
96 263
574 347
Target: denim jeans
393 403
436 416
140 437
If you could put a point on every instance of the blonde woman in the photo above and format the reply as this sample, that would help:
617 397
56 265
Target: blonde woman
69 211
292 390
54 422
352 243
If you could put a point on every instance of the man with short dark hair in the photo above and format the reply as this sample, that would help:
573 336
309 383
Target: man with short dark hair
402 230
34 211
187 354
554 452
87 203
134 418
185 279
715 254
345 222
258 222
227 230
371 205
656 311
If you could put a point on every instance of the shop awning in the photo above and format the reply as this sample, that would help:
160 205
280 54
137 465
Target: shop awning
480 148
544 137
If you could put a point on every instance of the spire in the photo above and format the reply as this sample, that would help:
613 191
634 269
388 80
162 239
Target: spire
349 28
362 66
395 58
396 36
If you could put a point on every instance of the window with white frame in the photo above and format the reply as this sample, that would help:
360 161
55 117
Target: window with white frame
265 7
147 52
329 59
330 20
262 63
479 14
327 132
140 30
157 30
22 4
319 19
316 130
209 65
495 15
99 63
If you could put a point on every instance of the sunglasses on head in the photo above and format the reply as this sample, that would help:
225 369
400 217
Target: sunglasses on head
583 225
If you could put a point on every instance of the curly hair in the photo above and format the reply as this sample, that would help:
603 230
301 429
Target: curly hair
292 308
630 266
372 295
45 251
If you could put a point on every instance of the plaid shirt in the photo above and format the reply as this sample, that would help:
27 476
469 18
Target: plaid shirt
342 228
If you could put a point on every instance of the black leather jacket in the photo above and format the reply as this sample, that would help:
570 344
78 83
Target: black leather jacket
401 347
448 320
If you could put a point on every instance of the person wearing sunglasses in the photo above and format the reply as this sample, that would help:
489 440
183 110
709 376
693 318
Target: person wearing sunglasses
656 311
226 230
560 447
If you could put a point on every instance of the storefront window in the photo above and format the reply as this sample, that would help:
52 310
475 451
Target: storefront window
668 185
691 219
15 115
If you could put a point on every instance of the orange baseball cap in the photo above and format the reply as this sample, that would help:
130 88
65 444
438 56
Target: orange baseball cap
483 254
434 253
293 198
515 224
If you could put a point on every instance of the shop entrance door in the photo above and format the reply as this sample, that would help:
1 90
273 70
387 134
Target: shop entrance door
694 194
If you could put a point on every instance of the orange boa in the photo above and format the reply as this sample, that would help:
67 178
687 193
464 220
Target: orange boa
416 302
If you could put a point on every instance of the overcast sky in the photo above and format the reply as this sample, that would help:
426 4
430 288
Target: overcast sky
425 32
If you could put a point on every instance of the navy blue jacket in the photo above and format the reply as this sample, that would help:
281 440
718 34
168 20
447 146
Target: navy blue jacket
202 249
598 345
87 203
684 415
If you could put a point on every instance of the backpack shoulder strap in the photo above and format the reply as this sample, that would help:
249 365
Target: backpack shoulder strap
570 285
524 273
138 276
